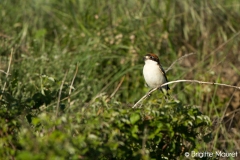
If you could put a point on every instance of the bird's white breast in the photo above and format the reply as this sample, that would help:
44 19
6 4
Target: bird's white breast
152 74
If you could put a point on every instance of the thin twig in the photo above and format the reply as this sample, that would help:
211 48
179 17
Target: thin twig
145 96
4 72
223 44
201 82
233 112
184 56
178 81
60 92
215 51
230 124
71 86
7 73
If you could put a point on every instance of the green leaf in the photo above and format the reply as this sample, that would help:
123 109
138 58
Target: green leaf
134 118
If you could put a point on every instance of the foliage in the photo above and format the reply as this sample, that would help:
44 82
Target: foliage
106 133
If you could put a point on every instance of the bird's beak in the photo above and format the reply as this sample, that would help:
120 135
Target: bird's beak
145 58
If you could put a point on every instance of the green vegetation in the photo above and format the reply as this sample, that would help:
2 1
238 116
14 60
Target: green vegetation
71 71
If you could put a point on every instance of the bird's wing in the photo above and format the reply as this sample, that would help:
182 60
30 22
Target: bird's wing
164 74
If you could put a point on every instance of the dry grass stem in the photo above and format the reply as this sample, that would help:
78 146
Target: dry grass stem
7 73
119 85
71 86
225 110
59 95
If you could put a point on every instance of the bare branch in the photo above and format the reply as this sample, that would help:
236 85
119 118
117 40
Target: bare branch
179 81
4 72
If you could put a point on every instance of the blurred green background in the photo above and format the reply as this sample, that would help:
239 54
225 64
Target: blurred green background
104 42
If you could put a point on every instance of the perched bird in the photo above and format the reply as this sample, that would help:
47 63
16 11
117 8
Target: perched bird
153 72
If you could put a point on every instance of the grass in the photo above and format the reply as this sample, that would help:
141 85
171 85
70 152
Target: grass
106 40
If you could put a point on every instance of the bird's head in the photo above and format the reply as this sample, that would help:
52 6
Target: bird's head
151 57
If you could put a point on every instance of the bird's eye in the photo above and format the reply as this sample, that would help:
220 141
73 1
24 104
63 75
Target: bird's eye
151 57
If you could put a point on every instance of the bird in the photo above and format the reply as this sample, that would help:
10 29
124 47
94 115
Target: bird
154 73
